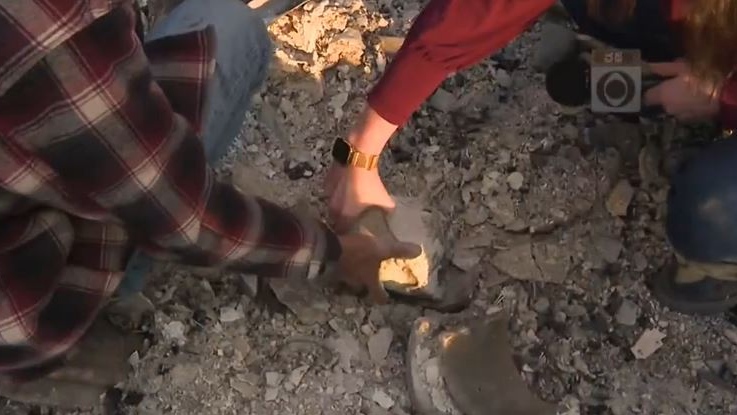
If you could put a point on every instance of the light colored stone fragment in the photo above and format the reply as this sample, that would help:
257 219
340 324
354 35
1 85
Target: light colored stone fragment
409 223
379 343
648 343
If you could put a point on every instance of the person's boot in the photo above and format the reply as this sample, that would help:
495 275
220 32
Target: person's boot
82 378
696 288
702 228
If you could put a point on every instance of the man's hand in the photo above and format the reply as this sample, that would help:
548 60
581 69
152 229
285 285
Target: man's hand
362 255
350 191
683 96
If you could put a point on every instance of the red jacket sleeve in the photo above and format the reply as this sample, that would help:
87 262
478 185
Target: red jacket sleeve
728 100
447 36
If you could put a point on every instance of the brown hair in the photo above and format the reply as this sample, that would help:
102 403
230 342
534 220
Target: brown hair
710 32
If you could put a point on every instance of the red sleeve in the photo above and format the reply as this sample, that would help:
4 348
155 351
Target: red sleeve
728 100
447 36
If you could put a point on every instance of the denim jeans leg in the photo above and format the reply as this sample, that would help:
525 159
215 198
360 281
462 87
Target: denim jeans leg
242 58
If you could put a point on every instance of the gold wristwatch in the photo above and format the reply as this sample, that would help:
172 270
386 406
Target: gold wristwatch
345 154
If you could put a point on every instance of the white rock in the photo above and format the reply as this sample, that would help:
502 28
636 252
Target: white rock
442 100
410 223
270 394
502 78
627 313
380 397
379 343
516 180
231 314
183 375
273 378
648 343
174 331
465 259
295 378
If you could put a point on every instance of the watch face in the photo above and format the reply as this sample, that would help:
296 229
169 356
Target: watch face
341 151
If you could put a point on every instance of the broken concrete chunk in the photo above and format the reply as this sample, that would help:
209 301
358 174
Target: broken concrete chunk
304 300
517 262
620 198
649 342
627 313
183 375
609 248
346 47
516 180
379 343
545 262
502 78
465 259
380 397
174 332
391 44
409 223
442 100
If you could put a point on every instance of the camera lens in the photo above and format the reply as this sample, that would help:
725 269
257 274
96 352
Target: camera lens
615 89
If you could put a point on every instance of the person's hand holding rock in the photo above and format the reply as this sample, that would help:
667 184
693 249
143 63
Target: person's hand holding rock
351 191
362 255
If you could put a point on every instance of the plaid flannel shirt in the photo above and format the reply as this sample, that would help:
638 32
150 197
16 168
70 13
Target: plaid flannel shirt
99 152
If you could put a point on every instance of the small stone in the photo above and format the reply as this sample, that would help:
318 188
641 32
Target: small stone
270 394
518 263
608 248
273 378
476 215
442 100
515 180
183 375
379 343
247 390
731 335
648 343
502 78
570 131
465 259
627 313
347 47
347 348
640 261
231 314
242 347
174 332
304 300
575 310
380 397
249 284
620 198
295 378
541 305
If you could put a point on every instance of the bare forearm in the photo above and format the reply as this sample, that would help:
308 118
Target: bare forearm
371 132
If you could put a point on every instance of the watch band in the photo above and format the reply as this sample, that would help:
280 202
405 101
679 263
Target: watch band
344 153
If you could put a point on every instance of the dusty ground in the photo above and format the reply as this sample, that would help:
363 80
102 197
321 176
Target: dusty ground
525 190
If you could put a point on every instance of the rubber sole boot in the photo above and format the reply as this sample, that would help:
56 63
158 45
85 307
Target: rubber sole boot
707 296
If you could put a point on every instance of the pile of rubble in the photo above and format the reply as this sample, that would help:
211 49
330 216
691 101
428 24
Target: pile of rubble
558 211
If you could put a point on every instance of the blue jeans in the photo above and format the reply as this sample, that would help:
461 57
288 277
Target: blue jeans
242 59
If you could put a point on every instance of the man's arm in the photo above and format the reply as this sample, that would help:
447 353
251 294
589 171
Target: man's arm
143 164
448 35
